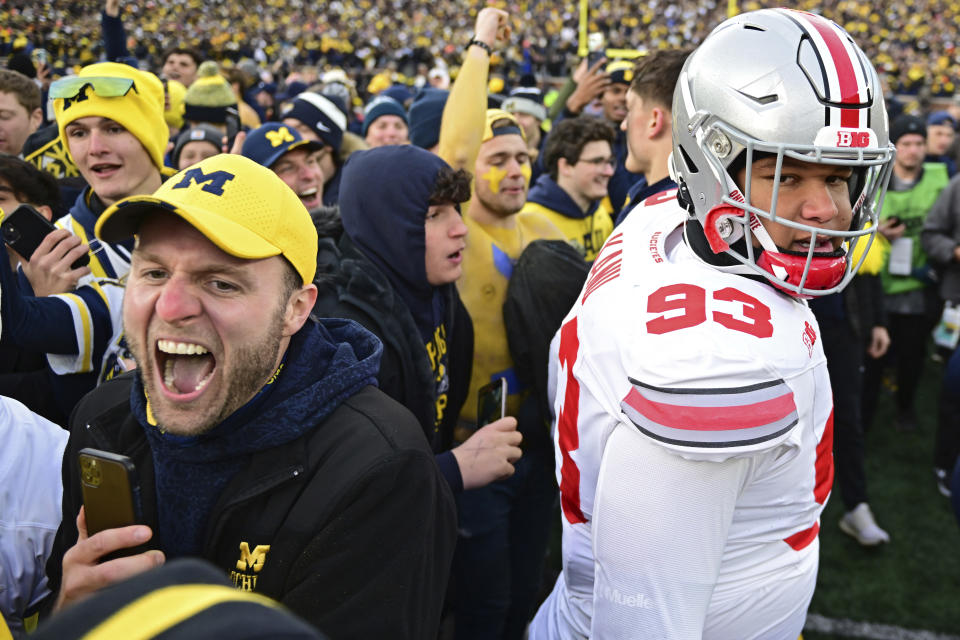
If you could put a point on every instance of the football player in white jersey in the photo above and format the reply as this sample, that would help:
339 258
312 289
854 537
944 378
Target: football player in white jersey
694 412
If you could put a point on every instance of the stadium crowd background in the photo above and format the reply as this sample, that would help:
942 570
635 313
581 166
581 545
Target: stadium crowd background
379 42
914 43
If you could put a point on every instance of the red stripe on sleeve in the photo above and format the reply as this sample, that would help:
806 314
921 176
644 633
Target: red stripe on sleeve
569 437
742 416
803 538
824 463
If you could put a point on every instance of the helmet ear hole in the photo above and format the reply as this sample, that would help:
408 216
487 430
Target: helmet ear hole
688 162
855 186
856 183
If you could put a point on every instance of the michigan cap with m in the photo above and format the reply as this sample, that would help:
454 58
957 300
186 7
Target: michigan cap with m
242 207
266 144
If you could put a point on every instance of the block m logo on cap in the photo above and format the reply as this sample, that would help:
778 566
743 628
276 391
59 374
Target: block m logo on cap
212 182
280 136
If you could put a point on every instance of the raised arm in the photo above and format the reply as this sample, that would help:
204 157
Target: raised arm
461 129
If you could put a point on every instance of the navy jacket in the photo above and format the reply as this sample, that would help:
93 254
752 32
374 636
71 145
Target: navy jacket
348 524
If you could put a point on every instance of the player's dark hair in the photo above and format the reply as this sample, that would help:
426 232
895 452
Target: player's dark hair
655 76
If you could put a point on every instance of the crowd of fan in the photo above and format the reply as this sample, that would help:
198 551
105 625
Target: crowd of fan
282 85
913 42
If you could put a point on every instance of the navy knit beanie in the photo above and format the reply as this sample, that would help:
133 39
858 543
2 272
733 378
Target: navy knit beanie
382 106
320 114
426 112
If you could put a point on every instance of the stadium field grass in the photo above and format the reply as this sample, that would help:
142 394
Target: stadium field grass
913 582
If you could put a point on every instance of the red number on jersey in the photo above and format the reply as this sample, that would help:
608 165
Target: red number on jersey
569 437
753 310
690 298
662 196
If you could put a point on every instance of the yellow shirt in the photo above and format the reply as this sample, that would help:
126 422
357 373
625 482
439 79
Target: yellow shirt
588 234
487 265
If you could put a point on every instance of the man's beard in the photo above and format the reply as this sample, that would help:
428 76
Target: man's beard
497 206
253 364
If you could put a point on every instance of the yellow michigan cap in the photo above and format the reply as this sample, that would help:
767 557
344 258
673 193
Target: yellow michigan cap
495 115
241 207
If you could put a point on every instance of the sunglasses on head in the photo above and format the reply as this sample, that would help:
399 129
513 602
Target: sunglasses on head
68 88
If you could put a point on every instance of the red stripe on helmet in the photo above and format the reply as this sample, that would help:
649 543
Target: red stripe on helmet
844 66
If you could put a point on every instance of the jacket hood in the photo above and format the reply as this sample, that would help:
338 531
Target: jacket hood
384 211
548 193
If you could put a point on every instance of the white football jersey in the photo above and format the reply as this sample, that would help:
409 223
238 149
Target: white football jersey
693 442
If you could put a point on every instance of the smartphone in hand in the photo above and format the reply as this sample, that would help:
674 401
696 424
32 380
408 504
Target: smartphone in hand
491 402
111 493
25 228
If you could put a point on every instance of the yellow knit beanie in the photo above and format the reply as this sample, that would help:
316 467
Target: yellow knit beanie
140 111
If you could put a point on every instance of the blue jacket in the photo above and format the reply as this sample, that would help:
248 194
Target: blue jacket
80 331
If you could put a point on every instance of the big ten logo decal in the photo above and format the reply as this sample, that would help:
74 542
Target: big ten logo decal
249 561
682 306
606 267
212 182
568 436
853 138
436 351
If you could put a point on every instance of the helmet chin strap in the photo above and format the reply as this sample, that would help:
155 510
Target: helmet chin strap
766 242
824 272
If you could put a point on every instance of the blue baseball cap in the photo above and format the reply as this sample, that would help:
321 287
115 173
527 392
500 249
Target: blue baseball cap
941 117
265 145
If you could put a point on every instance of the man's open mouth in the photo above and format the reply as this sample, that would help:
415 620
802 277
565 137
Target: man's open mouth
185 367
104 168
824 247
309 197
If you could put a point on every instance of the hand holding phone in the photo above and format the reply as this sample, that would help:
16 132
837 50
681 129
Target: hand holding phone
111 491
491 402
488 454
892 228
25 228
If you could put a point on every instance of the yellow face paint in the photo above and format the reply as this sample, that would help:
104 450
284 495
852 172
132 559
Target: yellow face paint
494 176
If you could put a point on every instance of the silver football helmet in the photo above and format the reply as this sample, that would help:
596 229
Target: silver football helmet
789 84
